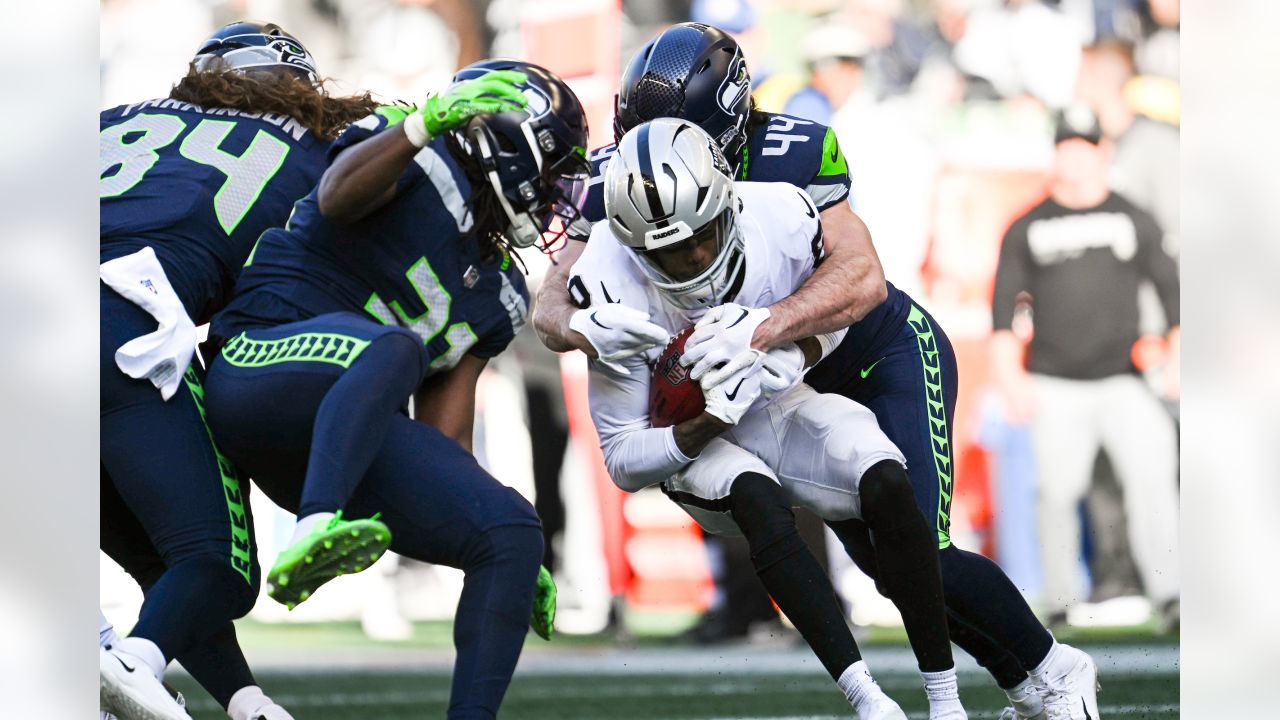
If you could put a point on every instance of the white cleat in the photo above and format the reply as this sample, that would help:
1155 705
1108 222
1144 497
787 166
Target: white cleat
130 692
1070 694
1012 714
881 707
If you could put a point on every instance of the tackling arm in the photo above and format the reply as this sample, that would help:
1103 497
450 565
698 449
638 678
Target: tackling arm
447 401
553 309
842 290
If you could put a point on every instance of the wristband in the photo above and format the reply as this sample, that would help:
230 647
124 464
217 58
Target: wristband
416 130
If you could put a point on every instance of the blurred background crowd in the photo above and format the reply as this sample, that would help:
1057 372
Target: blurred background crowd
945 111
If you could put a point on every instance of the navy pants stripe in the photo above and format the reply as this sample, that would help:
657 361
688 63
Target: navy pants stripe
439 504
171 514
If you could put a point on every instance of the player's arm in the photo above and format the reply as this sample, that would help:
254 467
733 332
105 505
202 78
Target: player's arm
363 177
1008 370
554 308
447 401
848 284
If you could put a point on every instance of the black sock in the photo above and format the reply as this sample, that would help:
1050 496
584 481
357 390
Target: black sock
789 571
907 561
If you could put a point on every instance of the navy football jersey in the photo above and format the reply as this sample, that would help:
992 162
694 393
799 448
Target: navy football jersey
783 149
199 186
407 263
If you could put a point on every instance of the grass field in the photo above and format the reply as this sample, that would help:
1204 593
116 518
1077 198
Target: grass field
331 673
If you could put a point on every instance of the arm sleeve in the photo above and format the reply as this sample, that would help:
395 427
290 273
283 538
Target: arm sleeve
1158 265
636 454
1012 276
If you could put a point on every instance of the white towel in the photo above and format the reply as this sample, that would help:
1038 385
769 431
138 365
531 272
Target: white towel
162 356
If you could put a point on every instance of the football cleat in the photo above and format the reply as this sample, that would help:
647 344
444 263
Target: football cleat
544 605
336 548
1070 688
881 707
129 691
1012 714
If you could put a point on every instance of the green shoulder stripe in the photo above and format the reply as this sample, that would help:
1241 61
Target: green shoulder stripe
832 159
395 114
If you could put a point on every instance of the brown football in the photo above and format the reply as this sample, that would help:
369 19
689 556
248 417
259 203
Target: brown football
674 396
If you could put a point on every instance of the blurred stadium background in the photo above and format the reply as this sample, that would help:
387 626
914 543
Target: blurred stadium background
943 108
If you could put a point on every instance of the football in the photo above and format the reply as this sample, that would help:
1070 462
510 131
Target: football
674 396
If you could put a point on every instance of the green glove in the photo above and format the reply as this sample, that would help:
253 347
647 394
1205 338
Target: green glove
491 93
544 604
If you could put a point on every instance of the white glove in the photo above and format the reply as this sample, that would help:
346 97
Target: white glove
731 397
617 332
723 333
781 368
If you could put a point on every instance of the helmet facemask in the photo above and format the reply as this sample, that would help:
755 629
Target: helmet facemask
713 284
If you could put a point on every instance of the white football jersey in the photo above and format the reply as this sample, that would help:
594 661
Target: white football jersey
782 240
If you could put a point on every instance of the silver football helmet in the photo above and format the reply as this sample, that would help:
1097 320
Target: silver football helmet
669 184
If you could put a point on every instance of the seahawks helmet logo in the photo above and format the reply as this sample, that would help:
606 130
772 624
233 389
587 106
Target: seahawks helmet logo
292 54
736 84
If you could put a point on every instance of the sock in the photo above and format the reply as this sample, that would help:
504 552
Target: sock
304 525
246 701
941 686
146 651
857 684
1050 658
107 636
1024 698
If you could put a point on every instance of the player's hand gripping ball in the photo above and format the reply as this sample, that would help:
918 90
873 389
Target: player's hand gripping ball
674 396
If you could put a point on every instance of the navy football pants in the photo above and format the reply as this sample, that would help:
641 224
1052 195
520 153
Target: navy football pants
173 513
267 391
910 386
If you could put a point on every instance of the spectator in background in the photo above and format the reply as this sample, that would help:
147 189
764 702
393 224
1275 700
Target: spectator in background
833 55
1024 48
1080 255
1158 48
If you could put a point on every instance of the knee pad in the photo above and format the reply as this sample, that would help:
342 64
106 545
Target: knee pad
887 497
763 513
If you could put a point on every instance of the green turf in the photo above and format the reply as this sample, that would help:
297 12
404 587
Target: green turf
392 695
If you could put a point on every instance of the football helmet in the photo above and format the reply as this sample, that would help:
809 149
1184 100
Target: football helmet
690 71
535 157
667 185
252 46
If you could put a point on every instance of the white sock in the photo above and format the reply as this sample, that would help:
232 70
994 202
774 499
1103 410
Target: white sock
1049 660
247 700
304 525
1024 698
106 632
146 651
941 686
857 684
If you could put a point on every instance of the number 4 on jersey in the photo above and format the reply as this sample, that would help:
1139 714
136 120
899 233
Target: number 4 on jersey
132 148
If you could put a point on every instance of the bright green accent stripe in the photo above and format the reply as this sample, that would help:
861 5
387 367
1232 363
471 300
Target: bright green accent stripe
938 433
395 114
833 162
332 348
240 546
745 156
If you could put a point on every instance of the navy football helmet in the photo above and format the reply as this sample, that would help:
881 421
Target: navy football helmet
252 47
534 157
694 72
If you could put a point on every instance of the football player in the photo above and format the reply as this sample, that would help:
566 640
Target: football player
395 278
187 185
682 239
895 360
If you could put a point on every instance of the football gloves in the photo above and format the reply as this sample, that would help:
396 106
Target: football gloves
495 92
723 334
617 332
737 387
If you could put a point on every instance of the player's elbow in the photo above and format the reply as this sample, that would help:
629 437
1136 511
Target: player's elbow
333 202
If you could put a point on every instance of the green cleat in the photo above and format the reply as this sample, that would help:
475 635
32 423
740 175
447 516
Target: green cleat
328 551
544 604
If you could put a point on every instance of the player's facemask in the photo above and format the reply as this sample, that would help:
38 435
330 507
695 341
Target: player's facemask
715 283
